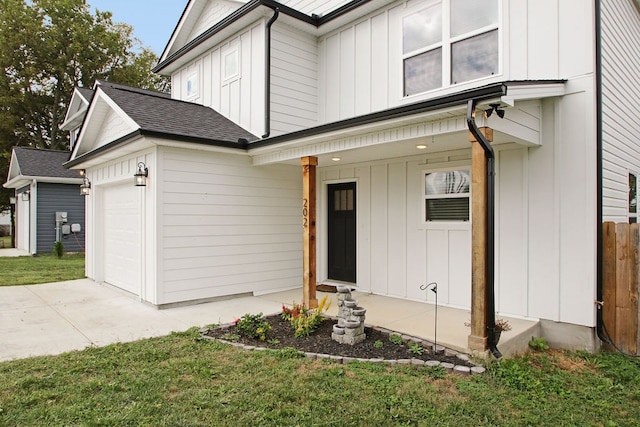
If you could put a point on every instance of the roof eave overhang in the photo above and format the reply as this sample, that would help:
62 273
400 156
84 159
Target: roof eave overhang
316 138
493 91
251 11
22 180
93 157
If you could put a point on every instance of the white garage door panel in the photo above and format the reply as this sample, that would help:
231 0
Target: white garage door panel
122 237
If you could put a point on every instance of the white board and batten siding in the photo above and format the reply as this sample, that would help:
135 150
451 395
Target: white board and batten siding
620 105
294 103
294 80
360 64
227 227
240 98
397 251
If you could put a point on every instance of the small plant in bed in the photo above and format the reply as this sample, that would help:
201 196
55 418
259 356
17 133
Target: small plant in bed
377 344
253 326
305 321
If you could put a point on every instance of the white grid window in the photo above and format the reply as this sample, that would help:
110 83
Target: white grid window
449 42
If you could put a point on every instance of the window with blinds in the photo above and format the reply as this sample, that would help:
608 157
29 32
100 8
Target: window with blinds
447 195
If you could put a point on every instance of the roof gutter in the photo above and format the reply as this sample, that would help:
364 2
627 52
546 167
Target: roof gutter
491 91
267 74
489 156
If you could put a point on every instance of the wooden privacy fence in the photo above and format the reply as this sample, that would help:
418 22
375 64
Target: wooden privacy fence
620 266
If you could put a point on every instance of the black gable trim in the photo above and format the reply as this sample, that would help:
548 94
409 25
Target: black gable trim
314 20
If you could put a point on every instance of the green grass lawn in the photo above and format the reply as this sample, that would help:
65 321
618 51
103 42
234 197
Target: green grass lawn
183 380
27 270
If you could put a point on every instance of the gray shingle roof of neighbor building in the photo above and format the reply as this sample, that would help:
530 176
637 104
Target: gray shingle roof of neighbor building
41 162
157 112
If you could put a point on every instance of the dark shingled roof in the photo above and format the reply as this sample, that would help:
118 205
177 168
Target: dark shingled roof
87 93
157 112
40 162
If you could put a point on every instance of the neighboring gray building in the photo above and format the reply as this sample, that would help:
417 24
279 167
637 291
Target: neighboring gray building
49 206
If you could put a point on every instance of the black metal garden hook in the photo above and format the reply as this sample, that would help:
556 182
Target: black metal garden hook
434 288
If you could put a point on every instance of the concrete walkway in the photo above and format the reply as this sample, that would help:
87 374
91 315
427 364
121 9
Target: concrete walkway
12 252
58 317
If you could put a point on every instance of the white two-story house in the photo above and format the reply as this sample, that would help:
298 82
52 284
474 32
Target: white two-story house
384 94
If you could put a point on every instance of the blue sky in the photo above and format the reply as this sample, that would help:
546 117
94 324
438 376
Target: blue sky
153 21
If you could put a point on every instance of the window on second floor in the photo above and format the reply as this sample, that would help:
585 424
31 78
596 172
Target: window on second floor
192 85
449 42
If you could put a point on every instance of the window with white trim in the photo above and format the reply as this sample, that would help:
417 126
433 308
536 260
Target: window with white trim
192 85
449 42
231 65
446 195
633 198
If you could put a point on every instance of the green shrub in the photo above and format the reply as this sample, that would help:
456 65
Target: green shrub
253 326
58 248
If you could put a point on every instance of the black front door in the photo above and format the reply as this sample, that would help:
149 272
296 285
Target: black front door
342 231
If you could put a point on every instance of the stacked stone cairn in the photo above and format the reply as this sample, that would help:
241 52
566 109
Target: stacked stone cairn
350 326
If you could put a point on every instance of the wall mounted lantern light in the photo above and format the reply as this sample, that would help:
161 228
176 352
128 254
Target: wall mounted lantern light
140 177
85 187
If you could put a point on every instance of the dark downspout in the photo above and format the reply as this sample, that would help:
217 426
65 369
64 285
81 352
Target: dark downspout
600 328
267 79
490 159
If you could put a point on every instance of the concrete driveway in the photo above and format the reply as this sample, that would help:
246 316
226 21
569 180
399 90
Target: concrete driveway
58 317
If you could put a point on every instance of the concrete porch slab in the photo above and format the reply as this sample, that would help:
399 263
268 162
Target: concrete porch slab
57 317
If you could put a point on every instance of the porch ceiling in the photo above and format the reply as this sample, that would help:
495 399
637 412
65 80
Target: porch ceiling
444 130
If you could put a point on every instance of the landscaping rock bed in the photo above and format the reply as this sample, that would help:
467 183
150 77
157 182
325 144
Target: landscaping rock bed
377 347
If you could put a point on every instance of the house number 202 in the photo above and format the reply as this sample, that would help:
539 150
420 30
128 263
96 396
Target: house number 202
305 212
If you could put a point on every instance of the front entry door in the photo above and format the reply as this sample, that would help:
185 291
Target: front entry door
342 231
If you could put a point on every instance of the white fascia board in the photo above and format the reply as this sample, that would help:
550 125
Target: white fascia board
76 99
100 97
14 169
22 180
73 121
528 92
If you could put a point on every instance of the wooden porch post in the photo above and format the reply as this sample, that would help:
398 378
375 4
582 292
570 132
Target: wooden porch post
309 231
478 337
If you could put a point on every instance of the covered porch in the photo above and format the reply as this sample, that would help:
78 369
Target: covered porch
418 319
386 157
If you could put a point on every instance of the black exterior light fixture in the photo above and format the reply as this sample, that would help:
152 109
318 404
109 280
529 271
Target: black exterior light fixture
140 177
85 187
496 108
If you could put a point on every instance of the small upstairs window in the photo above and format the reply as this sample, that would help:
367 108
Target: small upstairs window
192 85
446 195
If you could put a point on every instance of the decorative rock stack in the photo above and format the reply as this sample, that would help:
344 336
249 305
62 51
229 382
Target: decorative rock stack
350 327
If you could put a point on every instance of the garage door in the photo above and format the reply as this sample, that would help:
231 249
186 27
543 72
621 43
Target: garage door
121 237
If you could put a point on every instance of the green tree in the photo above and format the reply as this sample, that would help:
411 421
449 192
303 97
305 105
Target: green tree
47 47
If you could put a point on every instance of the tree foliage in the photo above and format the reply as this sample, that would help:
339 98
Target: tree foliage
47 47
